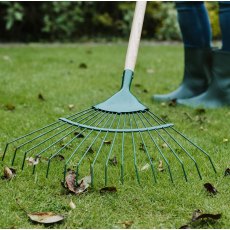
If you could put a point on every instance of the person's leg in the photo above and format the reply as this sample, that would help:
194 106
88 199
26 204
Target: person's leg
196 33
224 17
194 24
218 93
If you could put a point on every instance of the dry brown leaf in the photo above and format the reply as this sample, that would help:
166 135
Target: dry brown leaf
72 205
82 65
145 167
108 190
113 161
79 135
9 173
40 97
160 166
225 140
9 107
45 217
210 188
164 145
127 223
107 142
82 185
227 172
70 106
32 161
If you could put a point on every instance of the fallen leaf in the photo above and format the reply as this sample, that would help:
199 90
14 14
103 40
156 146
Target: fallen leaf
108 189
70 180
225 140
45 217
210 188
142 147
107 142
79 135
40 97
160 166
172 103
227 172
70 106
197 215
82 66
163 104
60 157
72 205
137 85
145 167
200 111
186 226
164 145
32 161
90 150
113 161
82 185
127 223
9 173
9 107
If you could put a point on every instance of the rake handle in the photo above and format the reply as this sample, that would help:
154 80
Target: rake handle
135 35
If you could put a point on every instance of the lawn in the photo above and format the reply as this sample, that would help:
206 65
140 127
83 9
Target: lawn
40 83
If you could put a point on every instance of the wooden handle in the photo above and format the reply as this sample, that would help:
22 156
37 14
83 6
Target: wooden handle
135 35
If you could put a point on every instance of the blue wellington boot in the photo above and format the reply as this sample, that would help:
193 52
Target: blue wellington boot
218 92
196 75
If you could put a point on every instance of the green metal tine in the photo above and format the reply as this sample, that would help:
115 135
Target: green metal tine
98 152
75 128
35 138
37 130
188 154
74 138
146 151
172 150
191 142
93 141
134 152
110 151
158 148
122 151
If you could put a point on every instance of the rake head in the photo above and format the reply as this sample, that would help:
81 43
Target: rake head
107 138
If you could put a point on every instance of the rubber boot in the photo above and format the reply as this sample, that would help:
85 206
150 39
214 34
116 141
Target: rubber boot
196 75
218 92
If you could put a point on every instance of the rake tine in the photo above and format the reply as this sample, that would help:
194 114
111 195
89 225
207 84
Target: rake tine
122 152
134 152
161 153
35 138
195 145
37 130
38 154
146 151
78 164
98 152
55 154
188 154
171 149
111 149
42 151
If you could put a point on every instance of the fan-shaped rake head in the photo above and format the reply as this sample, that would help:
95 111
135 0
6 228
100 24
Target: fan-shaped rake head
95 141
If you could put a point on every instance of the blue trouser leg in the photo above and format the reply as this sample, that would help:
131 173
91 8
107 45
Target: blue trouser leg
194 24
224 17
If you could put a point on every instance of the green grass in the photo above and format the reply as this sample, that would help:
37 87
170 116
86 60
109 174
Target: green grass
53 71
